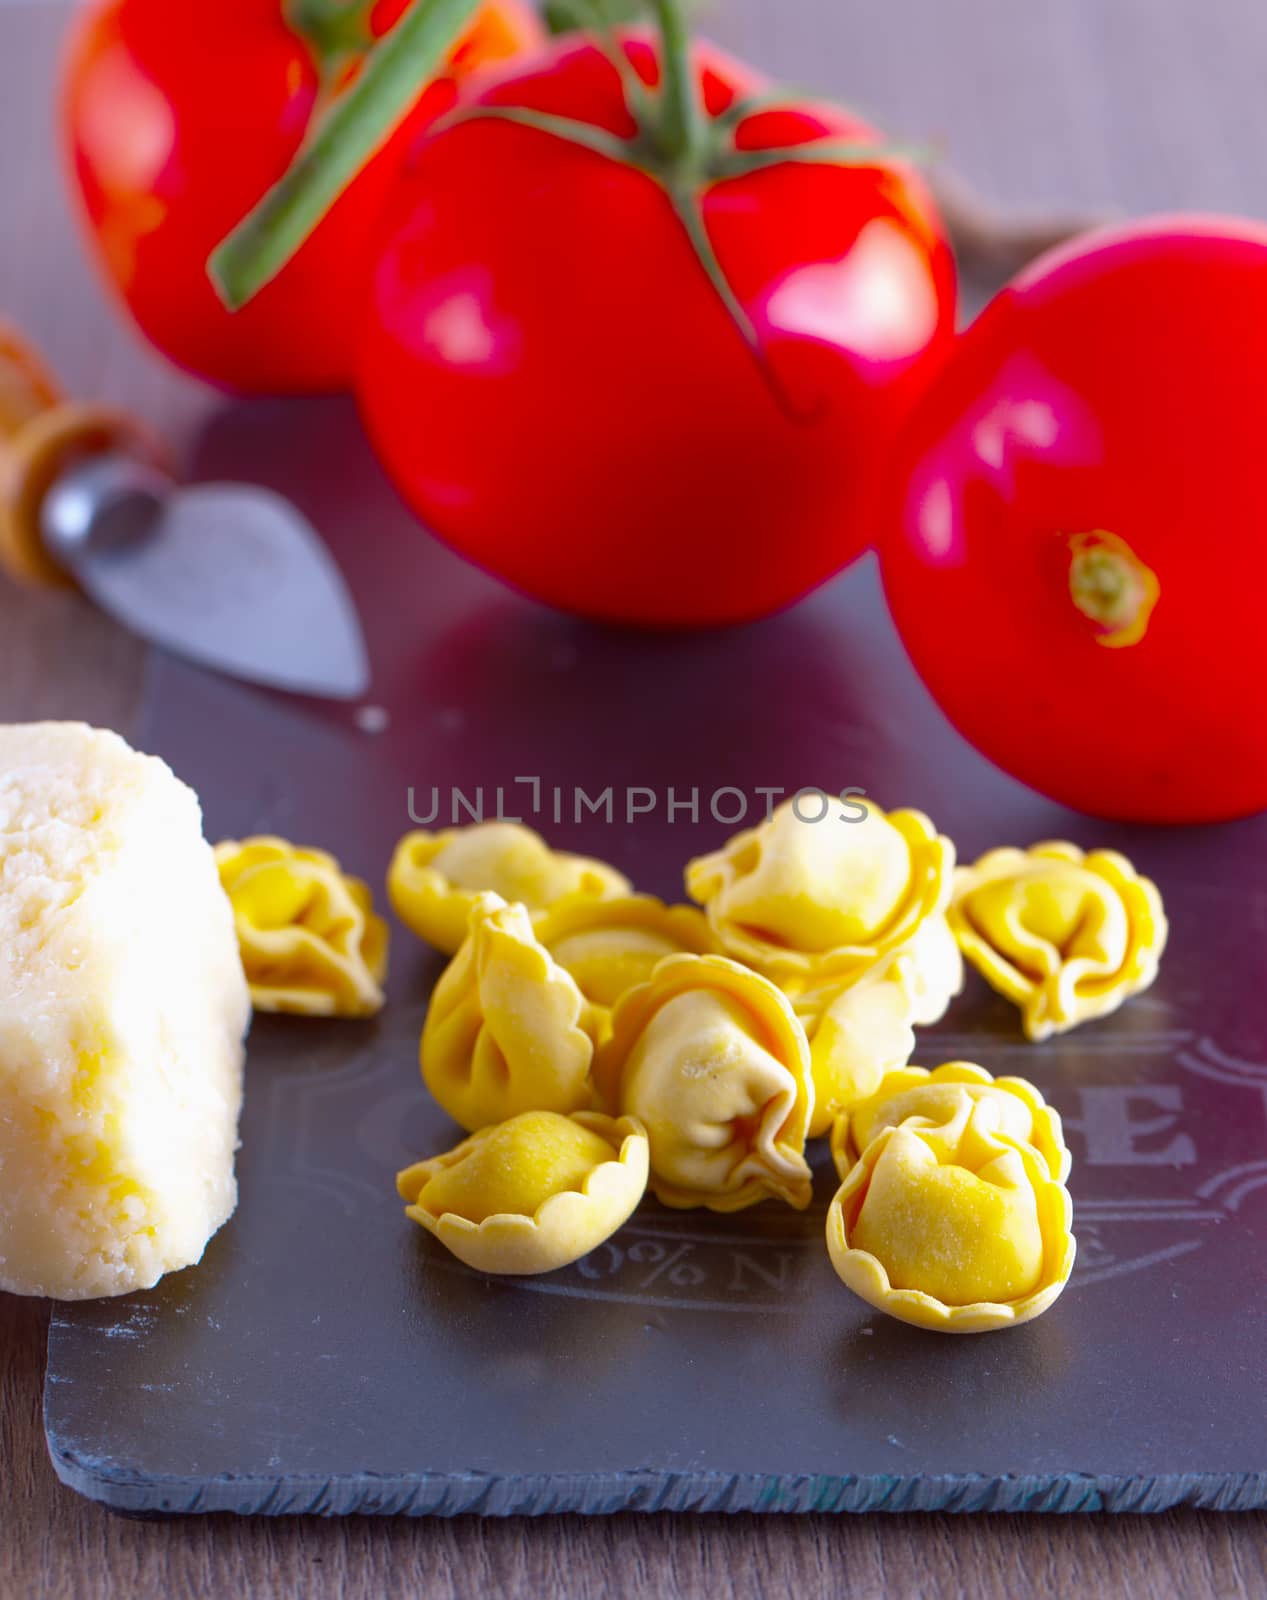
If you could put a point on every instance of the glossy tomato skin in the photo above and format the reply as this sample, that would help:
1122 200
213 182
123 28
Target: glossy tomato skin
1116 388
176 121
560 394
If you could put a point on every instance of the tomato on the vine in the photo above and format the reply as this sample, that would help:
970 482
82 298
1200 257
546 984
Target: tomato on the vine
1074 557
644 374
178 119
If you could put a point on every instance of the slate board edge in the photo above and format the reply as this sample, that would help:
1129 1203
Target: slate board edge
647 1490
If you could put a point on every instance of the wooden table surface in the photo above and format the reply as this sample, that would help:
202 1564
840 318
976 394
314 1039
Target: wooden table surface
1125 105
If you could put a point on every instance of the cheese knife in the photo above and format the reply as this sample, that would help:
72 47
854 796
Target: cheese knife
229 575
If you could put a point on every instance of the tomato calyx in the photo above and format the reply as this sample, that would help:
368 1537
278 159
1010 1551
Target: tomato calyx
1111 587
675 141
684 149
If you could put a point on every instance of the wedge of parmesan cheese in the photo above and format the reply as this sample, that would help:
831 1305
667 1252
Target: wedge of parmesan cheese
123 1008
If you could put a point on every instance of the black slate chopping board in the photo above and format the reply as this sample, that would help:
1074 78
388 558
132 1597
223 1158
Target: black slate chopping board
327 1356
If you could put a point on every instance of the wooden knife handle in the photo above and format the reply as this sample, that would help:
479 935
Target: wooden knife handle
26 385
41 435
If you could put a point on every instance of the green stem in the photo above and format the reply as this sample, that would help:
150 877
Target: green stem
688 203
820 153
680 128
584 134
689 207
354 129
336 31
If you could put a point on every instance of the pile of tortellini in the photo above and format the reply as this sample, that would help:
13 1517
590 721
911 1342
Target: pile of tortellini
595 1042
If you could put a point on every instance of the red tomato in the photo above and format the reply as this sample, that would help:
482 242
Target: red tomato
1075 560
561 394
177 120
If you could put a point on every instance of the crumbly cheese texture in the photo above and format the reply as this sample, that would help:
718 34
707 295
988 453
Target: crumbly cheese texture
123 1008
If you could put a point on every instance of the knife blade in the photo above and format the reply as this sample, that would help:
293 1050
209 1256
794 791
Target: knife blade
231 576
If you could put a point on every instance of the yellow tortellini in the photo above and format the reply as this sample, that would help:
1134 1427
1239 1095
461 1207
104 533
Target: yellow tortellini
930 970
807 901
954 1227
533 1193
1065 935
434 877
856 1036
506 1030
611 945
942 1101
308 935
711 1059
863 1027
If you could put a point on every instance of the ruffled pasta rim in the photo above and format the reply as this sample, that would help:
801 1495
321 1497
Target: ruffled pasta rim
488 914
513 1243
1078 990
436 910
680 974
356 972
932 862
866 1275
1047 1138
